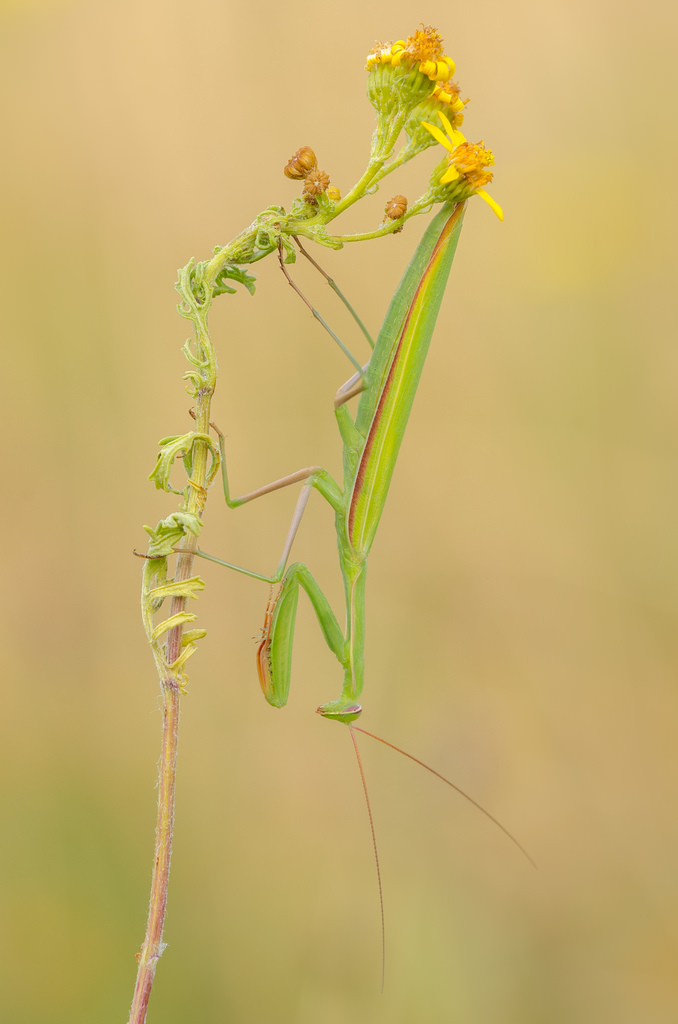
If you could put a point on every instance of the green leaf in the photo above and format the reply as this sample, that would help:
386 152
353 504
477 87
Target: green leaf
232 272
171 531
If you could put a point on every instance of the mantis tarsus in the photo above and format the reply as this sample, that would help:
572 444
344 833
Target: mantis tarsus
371 442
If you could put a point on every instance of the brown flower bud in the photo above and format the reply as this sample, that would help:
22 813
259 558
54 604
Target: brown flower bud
316 182
301 164
396 207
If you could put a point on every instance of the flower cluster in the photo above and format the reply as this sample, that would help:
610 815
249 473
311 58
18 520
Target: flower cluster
303 166
410 85
410 82
411 73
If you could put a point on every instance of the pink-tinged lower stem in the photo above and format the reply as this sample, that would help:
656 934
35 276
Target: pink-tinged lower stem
152 947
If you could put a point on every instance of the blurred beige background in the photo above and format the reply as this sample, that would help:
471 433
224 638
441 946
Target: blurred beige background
523 587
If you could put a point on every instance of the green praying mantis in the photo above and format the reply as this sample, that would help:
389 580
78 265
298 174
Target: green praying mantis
386 387
371 442
386 390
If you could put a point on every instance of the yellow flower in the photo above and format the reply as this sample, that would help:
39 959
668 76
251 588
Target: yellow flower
447 94
467 160
424 48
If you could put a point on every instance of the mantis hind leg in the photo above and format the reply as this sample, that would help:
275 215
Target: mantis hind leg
310 476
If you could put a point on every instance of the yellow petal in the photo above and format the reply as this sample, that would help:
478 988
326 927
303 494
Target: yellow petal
446 124
451 174
490 202
438 136
455 136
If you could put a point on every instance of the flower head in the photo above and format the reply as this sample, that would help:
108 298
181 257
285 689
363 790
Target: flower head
468 164
405 73
424 50
446 94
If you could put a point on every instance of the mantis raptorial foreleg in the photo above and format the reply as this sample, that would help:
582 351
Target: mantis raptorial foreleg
337 290
321 320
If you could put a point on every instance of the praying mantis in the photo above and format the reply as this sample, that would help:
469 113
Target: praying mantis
409 82
371 442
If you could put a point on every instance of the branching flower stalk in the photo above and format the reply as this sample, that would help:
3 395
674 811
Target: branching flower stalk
409 85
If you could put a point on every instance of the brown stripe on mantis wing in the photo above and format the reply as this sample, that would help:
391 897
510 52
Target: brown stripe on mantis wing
399 358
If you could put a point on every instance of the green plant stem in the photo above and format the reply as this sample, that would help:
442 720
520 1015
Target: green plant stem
376 169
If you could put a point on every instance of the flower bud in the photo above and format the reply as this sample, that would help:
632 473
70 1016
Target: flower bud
396 207
301 164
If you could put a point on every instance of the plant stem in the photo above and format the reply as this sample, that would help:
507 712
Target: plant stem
171 689
153 946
